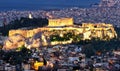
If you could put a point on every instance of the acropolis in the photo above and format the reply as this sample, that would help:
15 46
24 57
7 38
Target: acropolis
59 31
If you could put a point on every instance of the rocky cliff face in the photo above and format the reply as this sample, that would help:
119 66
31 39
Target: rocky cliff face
14 42
58 35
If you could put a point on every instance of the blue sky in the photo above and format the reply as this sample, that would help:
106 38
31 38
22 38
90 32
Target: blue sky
82 2
25 4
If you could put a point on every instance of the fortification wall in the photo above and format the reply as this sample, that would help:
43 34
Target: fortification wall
40 36
94 28
21 32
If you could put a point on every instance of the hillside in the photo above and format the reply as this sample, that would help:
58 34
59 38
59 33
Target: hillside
24 23
109 3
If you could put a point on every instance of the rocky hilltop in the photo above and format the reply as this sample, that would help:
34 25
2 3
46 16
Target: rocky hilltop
58 33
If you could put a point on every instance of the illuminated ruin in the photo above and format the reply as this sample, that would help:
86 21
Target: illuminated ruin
59 32
61 22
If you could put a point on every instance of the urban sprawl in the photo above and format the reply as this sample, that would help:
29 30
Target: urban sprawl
75 39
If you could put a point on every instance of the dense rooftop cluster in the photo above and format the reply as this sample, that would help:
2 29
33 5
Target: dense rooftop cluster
85 55
99 14
109 3
60 57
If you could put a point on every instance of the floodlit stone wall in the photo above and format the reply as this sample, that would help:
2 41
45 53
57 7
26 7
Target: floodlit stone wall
22 32
41 36
61 22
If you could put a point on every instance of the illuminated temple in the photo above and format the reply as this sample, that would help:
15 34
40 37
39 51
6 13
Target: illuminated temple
61 22
59 31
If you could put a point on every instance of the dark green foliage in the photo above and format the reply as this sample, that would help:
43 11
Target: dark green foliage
77 38
58 38
118 31
90 48
24 22
17 57
66 36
